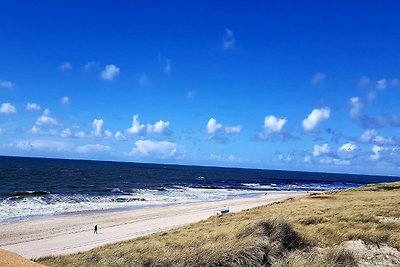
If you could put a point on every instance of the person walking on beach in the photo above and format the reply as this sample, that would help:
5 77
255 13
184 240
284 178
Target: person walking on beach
95 229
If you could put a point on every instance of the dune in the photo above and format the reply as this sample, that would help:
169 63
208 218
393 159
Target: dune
10 259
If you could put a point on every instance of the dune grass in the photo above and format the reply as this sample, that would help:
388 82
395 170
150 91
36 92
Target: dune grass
280 234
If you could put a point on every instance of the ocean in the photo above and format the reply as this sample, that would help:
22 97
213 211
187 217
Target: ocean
32 187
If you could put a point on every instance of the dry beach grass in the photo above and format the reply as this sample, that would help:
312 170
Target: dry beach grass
307 231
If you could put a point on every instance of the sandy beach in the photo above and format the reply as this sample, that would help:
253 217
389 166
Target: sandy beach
71 233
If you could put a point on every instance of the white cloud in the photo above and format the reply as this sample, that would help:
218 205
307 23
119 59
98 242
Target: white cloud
162 149
233 129
46 119
364 82
367 136
168 66
108 133
42 145
160 127
318 78
85 149
235 159
109 72
229 40
136 128
320 150
32 106
143 80
348 147
213 126
90 65
7 108
347 151
335 161
65 100
6 84
376 152
355 107
273 124
119 136
341 162
80 134
65 66
66 132
315 117
307 159
97 126
381 84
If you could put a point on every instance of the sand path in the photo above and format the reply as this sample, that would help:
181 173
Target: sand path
65 234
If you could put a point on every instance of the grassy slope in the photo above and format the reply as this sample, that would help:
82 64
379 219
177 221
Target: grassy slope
324 220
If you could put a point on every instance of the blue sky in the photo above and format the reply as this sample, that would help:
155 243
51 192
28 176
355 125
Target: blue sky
269 84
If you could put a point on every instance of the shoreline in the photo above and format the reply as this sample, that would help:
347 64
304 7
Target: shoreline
71 233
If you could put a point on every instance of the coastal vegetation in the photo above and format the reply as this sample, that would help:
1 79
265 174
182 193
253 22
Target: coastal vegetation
336 228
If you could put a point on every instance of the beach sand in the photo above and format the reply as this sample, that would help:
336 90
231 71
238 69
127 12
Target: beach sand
71 233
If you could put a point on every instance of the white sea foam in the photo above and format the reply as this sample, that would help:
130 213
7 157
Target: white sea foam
58 204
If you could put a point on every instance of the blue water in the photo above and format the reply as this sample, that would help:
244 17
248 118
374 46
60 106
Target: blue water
37 186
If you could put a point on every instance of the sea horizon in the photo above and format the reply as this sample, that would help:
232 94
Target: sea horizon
46 186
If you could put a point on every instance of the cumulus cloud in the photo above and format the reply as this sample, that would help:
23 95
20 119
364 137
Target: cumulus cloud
168 66
348 147
163 149
368 136
136 128
321 149
6 84
108 133
46 119
97 126
355 107
273 124
32 107
272 128
7 108
65 100
160 127
42 145
371 136
65 66
347 151
119 136
213 126
110 72
86 149
315 117
233 129
381 84
66 132
376 150
229 40
318 78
